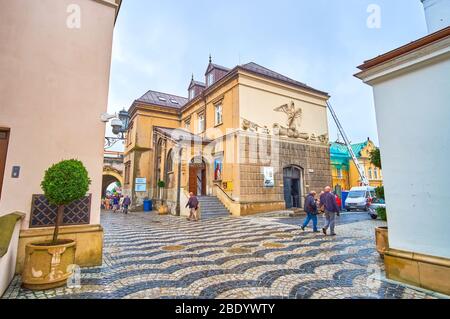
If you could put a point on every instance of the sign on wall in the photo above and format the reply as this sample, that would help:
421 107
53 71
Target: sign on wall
141 185
269 180
227 186
141 180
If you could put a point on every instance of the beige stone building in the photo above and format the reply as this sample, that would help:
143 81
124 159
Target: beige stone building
55 61
253 138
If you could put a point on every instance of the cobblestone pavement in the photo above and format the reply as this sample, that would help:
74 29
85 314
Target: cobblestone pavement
151 256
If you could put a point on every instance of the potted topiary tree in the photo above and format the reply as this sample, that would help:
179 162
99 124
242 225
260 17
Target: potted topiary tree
163 209
47 263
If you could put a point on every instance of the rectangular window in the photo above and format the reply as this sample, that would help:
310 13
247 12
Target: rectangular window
191 93
201 123
370 173
187 124
376 173
218 114
127 173
210 79
339 173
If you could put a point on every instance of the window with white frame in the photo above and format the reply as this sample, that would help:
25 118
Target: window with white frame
191 93
210 79
218 114
201 122
375 172
187 124
370 173
339 173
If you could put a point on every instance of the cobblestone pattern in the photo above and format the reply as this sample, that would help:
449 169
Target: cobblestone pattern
299 265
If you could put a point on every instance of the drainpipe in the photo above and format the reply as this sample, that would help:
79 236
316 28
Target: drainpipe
178 208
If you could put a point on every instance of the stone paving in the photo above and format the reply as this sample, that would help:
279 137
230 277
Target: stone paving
151 256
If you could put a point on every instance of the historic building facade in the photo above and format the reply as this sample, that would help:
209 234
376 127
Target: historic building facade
344 172
255 139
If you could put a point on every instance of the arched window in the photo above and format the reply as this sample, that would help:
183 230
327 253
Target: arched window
169 162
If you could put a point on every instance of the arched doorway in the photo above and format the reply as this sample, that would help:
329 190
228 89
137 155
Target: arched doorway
197 176
293 186
108 180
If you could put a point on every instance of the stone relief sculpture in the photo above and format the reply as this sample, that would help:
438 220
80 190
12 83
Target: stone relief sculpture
253 127
292 130
292 113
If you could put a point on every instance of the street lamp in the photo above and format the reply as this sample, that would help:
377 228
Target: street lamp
119 124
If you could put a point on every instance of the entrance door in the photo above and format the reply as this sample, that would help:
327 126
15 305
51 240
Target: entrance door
197 178
292 187
4 138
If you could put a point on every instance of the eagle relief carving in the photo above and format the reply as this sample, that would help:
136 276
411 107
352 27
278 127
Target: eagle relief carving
294 116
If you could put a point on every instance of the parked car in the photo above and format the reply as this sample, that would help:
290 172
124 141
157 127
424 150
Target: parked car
374 204
359 198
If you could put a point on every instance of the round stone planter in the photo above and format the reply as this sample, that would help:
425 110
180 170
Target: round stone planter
382 240
163 210
48 266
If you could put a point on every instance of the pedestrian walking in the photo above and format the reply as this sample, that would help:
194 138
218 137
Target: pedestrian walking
121 203
311 211
126 203
193 206
329 205
115 204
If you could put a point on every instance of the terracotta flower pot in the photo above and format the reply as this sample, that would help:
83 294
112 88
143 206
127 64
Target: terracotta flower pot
163 210
48 266
382 240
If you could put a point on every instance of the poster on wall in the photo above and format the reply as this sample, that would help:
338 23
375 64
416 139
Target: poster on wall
218 165
268 177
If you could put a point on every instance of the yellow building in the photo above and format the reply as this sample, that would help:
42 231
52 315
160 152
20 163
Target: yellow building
252 138
344 172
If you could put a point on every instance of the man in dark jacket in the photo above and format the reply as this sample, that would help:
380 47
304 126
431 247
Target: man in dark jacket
331 208
193 206
311 210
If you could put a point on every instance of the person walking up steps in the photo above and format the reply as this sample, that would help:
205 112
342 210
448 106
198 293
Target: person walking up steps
328 203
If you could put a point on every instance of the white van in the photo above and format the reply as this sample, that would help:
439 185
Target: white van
359 197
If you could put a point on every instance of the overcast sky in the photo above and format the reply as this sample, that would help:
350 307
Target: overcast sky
159 44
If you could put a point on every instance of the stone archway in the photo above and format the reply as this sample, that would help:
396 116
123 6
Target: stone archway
110 175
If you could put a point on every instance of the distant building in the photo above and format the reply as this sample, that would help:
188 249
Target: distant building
344 172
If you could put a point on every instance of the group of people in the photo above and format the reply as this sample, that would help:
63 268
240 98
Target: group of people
327 203
116 203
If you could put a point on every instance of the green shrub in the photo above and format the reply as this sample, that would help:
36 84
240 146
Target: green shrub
381 212
161 184
379 191
64 183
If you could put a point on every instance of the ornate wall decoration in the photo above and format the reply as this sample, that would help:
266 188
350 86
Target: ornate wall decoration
292 113
44 215
253 127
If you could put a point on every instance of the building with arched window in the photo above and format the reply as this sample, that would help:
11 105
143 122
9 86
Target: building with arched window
252 138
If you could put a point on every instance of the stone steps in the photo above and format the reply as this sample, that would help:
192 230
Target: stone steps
211 207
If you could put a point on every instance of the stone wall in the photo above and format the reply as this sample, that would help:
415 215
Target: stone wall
258 151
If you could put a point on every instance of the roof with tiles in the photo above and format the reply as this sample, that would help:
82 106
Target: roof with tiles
177 102
163 99
256 68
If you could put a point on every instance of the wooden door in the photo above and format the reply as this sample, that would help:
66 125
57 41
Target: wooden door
4 138
192 179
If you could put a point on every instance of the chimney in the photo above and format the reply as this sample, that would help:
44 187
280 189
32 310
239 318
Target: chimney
437 14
